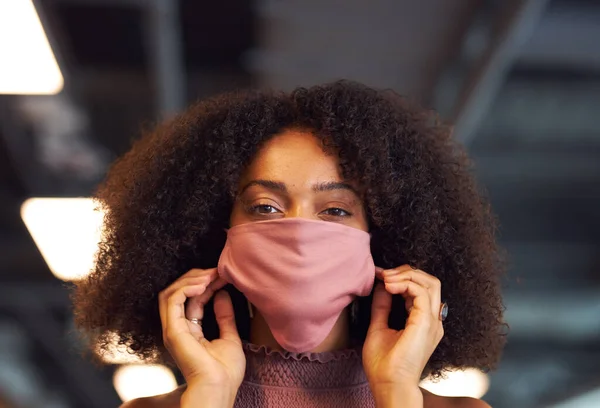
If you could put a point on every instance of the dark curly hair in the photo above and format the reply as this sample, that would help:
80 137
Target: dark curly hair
168 202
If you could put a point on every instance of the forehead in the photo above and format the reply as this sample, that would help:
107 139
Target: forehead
295 157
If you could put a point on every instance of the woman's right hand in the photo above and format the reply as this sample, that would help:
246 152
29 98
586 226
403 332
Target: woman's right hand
213 369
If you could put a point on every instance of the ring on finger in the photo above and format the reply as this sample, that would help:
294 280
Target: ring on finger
443 311
196 321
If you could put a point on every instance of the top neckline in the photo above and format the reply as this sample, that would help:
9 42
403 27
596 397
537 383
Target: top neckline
267 367
321 357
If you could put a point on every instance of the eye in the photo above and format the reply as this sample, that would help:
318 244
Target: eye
264 209
336 212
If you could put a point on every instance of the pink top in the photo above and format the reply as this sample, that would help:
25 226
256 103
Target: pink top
277 379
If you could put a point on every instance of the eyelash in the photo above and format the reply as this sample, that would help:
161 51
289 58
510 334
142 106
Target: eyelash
346 213
255 209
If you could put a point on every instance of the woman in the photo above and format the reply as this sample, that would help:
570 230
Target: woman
298 250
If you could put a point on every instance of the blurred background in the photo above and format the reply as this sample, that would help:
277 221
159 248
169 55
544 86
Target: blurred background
520 80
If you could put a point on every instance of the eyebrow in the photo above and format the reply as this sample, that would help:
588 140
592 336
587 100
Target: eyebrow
278 186
334 185
268 184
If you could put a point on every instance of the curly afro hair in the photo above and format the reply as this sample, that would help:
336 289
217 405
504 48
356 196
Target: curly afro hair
168 202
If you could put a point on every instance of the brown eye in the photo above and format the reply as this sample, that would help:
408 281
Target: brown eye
264 209
337 212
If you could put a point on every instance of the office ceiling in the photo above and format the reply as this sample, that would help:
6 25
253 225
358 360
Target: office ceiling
520 78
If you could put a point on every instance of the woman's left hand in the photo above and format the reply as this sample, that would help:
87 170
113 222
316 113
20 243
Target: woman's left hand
395 359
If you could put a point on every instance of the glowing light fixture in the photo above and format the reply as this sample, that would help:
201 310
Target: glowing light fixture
27 64
459 383
66 232
143 380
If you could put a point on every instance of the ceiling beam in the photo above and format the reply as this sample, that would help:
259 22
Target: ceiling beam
538 166
515 26
165 48
566 37
565 315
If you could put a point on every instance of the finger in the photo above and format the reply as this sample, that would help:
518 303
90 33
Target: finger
177 336
430 282
397 270
192 309
418 294
196 329
187 281
422 322
226 317
195 306
176 320
192 277
380 309
379 273
408 304
163 304
417 275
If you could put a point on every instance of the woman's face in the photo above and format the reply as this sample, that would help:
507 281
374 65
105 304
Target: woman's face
291 176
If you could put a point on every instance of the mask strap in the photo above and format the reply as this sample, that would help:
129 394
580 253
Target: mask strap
354 311
250 309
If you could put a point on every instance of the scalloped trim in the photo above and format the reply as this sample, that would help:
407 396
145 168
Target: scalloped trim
324 357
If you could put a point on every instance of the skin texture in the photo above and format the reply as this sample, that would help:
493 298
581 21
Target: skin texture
171 197
296 161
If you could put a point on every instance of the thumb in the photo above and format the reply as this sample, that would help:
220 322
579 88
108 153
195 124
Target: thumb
226 317
380 309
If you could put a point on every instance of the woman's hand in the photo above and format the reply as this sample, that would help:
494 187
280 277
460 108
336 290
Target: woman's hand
213 369
394 360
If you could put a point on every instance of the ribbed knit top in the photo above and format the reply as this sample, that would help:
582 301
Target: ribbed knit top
299 380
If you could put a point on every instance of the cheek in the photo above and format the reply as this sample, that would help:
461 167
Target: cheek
237 215
361 221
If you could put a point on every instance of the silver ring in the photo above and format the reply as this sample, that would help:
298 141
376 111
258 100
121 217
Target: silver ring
196 321
443 311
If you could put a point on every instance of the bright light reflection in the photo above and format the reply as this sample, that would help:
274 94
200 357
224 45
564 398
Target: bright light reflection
143 380
460 383
27 63
66 232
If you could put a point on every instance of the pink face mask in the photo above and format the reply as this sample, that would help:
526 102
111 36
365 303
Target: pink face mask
300 274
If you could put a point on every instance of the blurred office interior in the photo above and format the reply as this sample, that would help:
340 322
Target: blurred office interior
520 80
